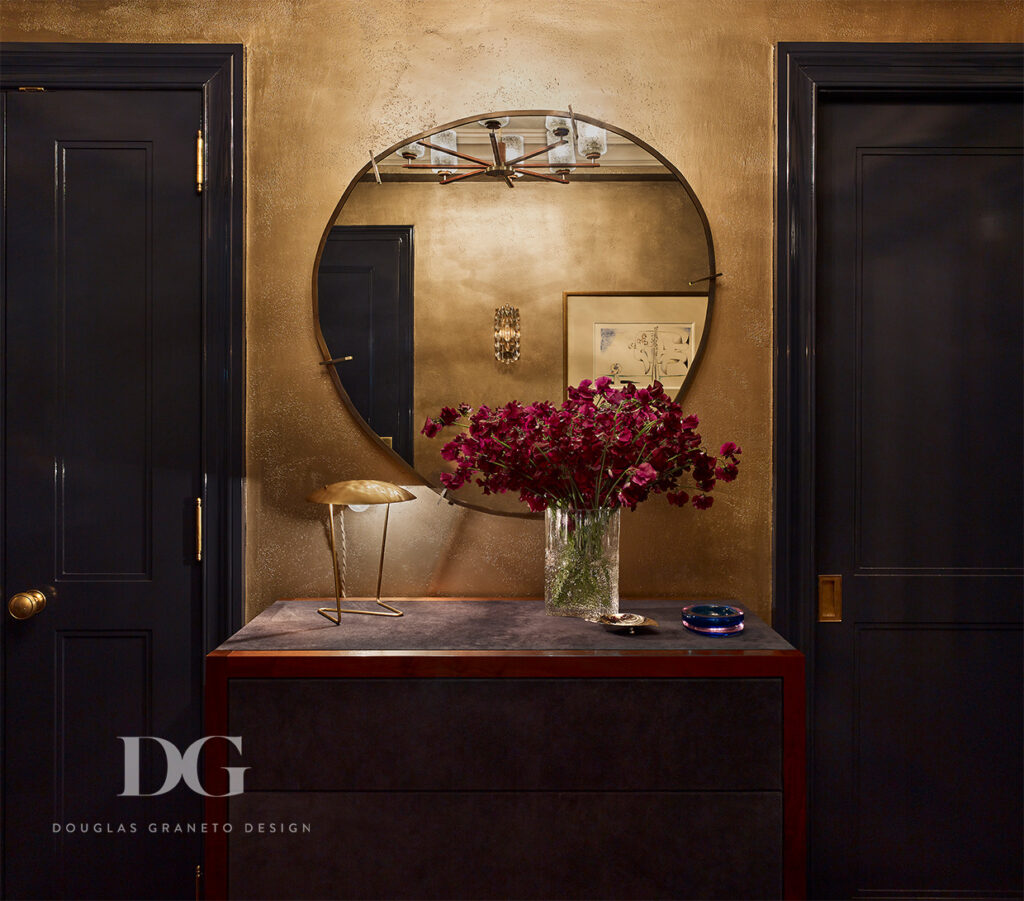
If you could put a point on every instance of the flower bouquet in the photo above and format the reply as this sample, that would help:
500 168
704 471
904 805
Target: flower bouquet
603 449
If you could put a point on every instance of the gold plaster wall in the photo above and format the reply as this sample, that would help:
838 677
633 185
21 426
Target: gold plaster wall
329 80
479 245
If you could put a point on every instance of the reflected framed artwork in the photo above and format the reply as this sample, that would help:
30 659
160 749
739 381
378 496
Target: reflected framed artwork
635 336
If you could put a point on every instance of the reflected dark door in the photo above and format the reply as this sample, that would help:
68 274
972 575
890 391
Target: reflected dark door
916 780
102 440
365 310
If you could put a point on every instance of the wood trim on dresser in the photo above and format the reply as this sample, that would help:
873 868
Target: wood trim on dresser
215 758
223 666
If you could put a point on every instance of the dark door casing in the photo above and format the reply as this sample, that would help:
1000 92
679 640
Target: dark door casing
108 337
907 422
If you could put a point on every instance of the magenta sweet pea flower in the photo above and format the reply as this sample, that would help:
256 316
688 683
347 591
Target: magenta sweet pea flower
602 447
645 474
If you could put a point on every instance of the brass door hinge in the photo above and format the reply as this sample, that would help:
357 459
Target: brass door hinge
199 876
199 530
200 162
830 599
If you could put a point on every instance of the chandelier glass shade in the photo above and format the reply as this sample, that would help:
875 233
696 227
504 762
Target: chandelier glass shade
558 126
414 151
592 142
444 155
562 158
513 146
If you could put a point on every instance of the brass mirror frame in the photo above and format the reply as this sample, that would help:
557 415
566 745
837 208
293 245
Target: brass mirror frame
371 164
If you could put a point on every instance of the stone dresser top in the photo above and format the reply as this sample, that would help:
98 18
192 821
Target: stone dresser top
441 624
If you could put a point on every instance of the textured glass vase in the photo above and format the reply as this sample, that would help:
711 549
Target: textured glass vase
581 562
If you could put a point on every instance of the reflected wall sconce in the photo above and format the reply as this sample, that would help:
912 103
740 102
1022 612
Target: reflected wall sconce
355 493
506 334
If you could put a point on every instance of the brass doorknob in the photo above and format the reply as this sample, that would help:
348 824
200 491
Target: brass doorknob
26 604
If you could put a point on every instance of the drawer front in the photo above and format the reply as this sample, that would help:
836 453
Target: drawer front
506 845
509 734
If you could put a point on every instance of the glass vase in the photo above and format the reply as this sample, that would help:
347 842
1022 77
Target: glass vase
581 562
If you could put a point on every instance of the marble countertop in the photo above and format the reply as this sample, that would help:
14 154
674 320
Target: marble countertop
441 624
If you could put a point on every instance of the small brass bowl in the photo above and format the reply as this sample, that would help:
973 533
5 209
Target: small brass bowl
627 623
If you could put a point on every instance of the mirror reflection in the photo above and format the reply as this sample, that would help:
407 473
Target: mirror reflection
503 258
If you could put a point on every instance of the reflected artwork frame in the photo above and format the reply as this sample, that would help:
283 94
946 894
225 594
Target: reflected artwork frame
633 336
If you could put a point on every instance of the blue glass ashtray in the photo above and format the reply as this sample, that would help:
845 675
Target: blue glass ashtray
713 619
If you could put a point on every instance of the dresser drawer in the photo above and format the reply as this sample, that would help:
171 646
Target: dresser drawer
352 734
479 845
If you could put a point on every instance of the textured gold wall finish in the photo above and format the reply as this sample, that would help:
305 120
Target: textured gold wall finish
329 80
479 245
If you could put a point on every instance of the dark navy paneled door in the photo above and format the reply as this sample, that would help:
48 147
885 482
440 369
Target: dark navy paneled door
103 369
916 785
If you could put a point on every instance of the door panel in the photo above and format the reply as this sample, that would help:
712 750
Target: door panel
937 373
103 465
916 774
104 213
913 791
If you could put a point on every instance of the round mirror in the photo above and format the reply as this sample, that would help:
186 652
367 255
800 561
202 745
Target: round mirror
503 257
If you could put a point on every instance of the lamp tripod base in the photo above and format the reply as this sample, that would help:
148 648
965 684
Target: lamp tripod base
335 615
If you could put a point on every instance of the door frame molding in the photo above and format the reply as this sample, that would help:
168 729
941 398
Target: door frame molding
806 71
217 71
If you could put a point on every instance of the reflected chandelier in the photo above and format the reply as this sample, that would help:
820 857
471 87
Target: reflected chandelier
510 158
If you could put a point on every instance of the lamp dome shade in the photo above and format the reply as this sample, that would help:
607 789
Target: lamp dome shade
360 491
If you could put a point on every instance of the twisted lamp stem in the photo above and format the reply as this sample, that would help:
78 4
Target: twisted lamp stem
339 571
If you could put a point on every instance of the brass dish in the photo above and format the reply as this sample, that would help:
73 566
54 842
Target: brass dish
627 623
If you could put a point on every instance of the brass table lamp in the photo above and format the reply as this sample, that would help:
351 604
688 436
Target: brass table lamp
358 491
